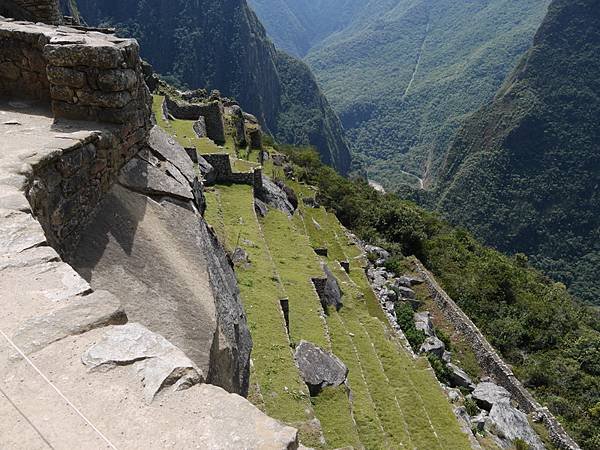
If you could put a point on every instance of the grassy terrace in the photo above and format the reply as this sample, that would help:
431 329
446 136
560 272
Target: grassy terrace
396 401
422 417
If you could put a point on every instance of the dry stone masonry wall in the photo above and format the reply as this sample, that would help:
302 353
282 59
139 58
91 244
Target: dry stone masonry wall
492 363
225 174
86 75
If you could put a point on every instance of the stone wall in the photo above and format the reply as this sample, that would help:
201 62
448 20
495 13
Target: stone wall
225 174
212 112
86 75
46 11
67 187
491 363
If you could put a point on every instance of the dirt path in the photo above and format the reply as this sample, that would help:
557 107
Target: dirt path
419 57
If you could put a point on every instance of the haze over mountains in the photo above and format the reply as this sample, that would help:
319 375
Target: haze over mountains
222 45
404 74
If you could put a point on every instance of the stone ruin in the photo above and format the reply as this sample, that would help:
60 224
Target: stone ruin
213 116
86 178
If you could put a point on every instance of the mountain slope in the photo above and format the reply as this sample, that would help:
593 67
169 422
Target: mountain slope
403 74
297 26
222 45
524 171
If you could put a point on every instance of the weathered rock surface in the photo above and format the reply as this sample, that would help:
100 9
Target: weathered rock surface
203 416
488 394
167 148
173 277
319 368
200 127
380 252
509 424
19 231
459 377
207 171
80 314
423 322
158 362
328 289
274 196
434 346
145 178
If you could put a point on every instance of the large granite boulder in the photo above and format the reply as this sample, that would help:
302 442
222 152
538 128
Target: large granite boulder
274 196
488 394
459 378
157 362
434 346
165 264
319 368
328 289
509 424
209 176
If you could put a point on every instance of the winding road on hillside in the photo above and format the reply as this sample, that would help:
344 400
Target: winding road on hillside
419 56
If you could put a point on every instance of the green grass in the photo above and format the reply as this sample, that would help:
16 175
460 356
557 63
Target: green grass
296 266
394 397
284 395
422 407
395 401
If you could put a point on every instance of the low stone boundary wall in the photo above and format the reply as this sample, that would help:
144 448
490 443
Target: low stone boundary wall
225 174
67 186
85 75
211 111
491 362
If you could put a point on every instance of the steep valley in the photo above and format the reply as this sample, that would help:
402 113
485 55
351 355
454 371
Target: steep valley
404 74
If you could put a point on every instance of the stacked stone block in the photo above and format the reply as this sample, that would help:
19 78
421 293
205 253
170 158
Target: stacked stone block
224 173
86 75
212 112
491 363
22 65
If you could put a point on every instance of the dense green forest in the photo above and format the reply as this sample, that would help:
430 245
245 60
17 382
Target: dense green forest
552 342
220 44
523 173
457 55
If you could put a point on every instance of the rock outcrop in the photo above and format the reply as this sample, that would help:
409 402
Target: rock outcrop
272 195
318 368
328 289
149 245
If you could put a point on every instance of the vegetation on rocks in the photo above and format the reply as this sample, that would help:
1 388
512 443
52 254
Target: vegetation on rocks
552 342
523 173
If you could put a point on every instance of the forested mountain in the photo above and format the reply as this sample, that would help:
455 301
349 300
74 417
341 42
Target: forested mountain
524 171
222 45
403 74
297 26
